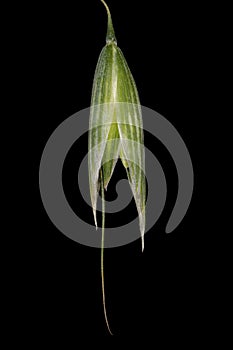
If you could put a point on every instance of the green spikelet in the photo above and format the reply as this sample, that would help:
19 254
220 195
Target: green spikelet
115 131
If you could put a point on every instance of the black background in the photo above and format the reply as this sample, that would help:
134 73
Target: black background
163 291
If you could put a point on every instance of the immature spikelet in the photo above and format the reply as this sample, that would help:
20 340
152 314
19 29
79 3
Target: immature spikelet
115 130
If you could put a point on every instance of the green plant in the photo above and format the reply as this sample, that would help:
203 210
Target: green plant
115 131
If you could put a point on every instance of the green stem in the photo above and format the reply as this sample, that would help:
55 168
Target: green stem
110 31
102 250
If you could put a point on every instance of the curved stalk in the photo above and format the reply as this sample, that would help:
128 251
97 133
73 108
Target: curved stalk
102 251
